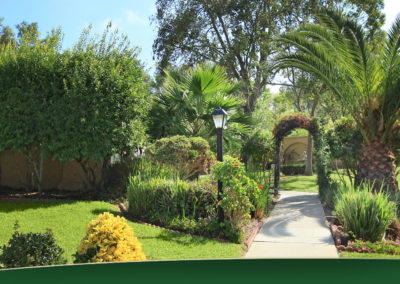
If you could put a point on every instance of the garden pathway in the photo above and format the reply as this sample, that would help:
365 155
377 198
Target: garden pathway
296 228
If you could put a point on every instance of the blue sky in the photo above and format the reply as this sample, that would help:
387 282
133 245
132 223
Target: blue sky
131 17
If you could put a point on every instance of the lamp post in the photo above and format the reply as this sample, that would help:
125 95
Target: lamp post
220 116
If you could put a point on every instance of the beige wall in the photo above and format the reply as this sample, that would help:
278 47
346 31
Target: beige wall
15 172
293 149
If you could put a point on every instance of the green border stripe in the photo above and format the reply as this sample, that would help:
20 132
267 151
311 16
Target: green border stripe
214 271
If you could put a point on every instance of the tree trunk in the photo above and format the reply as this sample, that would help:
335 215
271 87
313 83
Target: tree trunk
277 167
308 171
376 165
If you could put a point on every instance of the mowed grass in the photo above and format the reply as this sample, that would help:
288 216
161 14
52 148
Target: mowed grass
68 221
299 183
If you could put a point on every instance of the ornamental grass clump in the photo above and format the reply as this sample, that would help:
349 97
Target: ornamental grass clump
109 239
364 213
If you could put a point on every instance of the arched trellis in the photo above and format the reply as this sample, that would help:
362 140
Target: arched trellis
283 128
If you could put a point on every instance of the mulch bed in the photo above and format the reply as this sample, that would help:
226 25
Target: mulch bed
20 194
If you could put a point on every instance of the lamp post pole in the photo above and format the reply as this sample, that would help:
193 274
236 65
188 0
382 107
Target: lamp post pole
220 133
220 117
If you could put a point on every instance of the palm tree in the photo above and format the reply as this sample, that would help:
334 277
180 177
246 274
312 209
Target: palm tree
189 96
363 77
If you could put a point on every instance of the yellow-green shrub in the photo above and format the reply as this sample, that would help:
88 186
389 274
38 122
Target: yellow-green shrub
109 238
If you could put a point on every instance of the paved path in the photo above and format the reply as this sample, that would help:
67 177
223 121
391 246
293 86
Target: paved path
296 228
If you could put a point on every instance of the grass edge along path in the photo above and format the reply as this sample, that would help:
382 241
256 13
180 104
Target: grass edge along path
69 219
346 254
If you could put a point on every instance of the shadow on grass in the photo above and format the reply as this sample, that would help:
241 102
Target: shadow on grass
99 211
7 206
179 238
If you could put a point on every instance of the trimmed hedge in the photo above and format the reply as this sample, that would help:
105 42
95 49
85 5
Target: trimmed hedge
159 200
293 169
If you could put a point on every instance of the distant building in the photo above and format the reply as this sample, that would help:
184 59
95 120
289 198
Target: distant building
294 150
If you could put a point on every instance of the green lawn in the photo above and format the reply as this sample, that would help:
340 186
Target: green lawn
299 183
68 220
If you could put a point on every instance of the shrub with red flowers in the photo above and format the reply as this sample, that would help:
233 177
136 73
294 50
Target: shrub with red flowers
385 247
240 193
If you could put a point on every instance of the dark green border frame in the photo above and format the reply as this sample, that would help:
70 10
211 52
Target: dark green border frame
214 271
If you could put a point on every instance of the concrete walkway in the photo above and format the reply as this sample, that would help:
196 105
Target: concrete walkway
296 228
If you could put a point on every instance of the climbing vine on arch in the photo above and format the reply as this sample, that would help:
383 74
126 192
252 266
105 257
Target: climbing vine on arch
283 127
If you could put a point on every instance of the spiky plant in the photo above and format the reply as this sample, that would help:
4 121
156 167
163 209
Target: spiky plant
363 77
189 96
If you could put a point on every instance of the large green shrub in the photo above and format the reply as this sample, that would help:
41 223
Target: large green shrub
259 146
344 141
31 249
293 169
31 80
83 104
191 156
364 213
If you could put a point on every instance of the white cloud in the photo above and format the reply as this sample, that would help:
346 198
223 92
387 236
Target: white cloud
132 17
392 9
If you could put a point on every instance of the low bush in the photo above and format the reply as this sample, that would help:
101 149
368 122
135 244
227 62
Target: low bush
293 169
31 249
365 214
109 239
191 156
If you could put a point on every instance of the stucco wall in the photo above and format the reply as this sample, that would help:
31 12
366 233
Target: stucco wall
293 149
15 172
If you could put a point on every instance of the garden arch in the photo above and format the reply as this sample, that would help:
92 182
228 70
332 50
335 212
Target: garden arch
284 126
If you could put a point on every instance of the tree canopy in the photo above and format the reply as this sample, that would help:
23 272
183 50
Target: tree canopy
239 34
81 104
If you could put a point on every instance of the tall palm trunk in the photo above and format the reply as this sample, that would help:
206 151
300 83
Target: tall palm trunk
376 164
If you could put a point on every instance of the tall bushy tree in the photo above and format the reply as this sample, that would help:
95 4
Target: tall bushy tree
82 105
30 80
364 79
103 105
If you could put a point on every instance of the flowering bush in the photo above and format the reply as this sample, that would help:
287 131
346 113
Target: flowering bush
384 247
240 193
109 238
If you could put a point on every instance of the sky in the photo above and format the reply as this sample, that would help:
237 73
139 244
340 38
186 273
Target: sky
131 17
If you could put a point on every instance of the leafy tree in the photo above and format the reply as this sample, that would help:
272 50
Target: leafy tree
238 34
83 104
187 99
103 106
30 79
24 29
6 34
363 79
